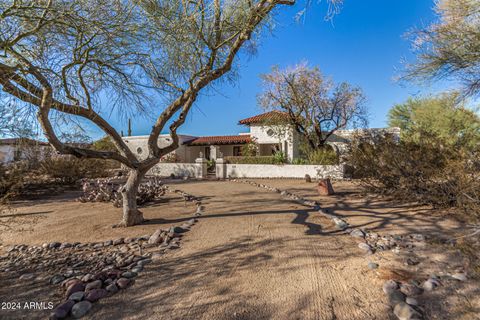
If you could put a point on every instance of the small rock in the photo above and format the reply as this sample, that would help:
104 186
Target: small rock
67 283
372 265
56 279
390 286
410 289
405 312
81 308
112 288
411 301
177 230
357 233
93 285
76 287
156 237
412 262
123 283
129 274
430 284
118 241
107 243
88 277
77 296
144 262
54 245
364 246
137 269
95 294
62 310
395 297
341 224
459 276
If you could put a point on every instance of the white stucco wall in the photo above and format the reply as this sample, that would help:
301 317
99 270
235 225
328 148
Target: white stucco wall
287 140
283 171
6 153
192 170
32 152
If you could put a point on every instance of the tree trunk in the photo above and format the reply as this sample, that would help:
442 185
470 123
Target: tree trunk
131 214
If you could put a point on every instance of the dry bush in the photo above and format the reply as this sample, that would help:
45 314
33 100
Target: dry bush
67 169
428 171
12 179
322 156
109 190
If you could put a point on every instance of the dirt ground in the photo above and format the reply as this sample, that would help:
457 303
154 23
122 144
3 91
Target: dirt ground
254 255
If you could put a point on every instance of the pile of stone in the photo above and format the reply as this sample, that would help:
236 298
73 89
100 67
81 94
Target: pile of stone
109 190
403 296
372 242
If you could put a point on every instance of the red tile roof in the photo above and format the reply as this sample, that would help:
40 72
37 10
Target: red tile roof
202 141
268 116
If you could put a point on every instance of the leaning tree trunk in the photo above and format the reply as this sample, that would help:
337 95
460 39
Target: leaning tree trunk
131 214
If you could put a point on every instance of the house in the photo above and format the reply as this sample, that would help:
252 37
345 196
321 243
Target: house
14 149
269 137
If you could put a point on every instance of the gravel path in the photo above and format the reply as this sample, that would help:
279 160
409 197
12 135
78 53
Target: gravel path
253 255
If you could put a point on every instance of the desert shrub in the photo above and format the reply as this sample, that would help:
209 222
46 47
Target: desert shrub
67 169
250 149
427 170
104 144
299 161
322 156
12 179
211 164
251 160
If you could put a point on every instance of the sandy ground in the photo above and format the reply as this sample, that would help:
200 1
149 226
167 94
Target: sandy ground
253 255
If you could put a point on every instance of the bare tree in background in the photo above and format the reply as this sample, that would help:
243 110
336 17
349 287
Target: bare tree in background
449 48
314 105
87 59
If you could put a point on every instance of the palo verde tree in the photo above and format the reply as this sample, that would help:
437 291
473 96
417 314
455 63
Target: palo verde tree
86 59
314 105
449 48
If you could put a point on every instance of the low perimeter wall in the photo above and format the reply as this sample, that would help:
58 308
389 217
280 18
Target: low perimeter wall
192 170
283 171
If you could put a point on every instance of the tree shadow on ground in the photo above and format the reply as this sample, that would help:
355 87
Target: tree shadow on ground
203 286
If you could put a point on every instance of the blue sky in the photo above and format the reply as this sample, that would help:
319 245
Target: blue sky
364 45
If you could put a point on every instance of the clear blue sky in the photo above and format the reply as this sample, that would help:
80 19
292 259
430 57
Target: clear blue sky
364 45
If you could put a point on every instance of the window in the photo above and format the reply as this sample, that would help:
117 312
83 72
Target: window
237 151
270 132
139 150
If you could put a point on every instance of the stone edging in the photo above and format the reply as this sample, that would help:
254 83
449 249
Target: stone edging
88 272
401 295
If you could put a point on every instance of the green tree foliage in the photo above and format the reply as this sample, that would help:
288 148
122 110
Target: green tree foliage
442 117
105 144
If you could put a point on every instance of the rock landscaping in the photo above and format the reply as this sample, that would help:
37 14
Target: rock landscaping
401 295
88 272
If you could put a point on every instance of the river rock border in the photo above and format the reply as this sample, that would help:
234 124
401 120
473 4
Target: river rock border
88 272
402 296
